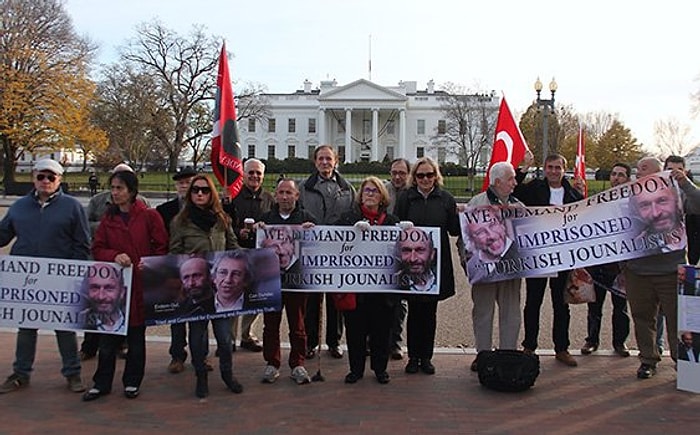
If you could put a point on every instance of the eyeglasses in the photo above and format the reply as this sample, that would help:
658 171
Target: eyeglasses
370 190
428 175
398 173
50 177
206 190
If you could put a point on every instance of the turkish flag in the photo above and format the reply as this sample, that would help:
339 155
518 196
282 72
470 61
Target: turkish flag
225 149
509 144
580 166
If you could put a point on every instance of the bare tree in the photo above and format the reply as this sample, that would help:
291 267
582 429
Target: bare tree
672 137
184 69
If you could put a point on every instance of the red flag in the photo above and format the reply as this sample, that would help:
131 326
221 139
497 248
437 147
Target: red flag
225 149
509 144
580 166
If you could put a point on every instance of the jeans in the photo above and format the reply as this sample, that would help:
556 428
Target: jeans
25 352
198 336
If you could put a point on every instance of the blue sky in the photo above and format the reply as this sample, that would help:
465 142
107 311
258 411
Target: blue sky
636 59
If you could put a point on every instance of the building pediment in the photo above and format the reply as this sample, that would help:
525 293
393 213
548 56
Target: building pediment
361 90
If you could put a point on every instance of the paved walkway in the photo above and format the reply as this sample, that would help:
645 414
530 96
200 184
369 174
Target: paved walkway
601 395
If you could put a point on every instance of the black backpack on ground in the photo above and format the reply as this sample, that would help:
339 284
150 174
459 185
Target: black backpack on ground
507 370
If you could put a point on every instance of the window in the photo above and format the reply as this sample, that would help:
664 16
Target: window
251 151
270 151
291 151
366 127
442 154
291 125
341 126
312 125
391 127
420 152
251 125
341 153
390 153
441 126
310 156
420 126
271 125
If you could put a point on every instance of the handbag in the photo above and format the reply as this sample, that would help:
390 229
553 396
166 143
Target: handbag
507 370
344 301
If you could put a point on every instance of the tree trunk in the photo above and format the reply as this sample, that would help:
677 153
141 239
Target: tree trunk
8 162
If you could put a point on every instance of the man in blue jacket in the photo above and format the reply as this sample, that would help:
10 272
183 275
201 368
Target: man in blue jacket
46 223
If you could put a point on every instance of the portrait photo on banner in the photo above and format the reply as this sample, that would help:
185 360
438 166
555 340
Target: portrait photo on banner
180 288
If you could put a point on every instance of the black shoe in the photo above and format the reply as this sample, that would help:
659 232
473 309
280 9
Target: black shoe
131 392
588 348
427 367
383 378
646 371
475 365
251 345
202 388
622 351
311 353
352 377
336 352
397 354
413 365
93 394
233 384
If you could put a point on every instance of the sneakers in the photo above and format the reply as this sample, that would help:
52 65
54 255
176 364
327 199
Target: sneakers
565 357
300 375
176 366
645 371
270 375
75 384
13 382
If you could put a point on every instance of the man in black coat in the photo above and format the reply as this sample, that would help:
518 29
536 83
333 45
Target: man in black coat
554 189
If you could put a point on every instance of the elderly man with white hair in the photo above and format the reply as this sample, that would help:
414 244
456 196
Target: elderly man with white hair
504 293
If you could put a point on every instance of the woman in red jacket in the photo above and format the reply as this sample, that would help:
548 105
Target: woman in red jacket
127 232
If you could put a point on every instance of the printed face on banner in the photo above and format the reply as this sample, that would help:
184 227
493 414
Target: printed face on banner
105 291
658 210
416 252
284 248
489 235
194 274
230 278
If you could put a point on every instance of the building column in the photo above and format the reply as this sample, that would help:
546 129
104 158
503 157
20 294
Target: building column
321 126
375 134
402 133
348 135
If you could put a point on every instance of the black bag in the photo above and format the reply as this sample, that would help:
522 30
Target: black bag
507 370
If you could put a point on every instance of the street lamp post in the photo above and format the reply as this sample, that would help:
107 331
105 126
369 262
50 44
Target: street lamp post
548 105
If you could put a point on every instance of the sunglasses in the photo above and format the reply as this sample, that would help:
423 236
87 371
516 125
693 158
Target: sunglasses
206 190
428 175
370 190
42 177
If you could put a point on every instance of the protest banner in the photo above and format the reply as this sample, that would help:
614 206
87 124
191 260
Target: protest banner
346 259
688 378
68 295
633 220
212 285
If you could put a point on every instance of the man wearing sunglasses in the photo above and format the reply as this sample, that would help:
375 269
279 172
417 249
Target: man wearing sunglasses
46 223
250 203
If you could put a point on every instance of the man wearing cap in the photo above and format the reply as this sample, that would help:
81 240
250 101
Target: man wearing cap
168 210
46 223
251 202
96 209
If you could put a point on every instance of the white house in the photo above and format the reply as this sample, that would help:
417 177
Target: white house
385 122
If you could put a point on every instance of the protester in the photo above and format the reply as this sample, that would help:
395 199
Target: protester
326 195
603 279
425 203
652 281
399 170
369 324
202 226
286 211
45 223
96 209
554 189
128 231
105 296
250 203
492 247
93 182
178 331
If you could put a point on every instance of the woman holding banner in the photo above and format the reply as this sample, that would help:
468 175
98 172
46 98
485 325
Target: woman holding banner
426 204
203 226
128 231
370 322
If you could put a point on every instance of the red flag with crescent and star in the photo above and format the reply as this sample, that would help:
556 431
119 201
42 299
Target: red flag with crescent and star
226 153
509 144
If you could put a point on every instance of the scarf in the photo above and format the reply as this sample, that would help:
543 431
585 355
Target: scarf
203 218
374 217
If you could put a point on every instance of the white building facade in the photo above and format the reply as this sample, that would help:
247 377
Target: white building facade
362 120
